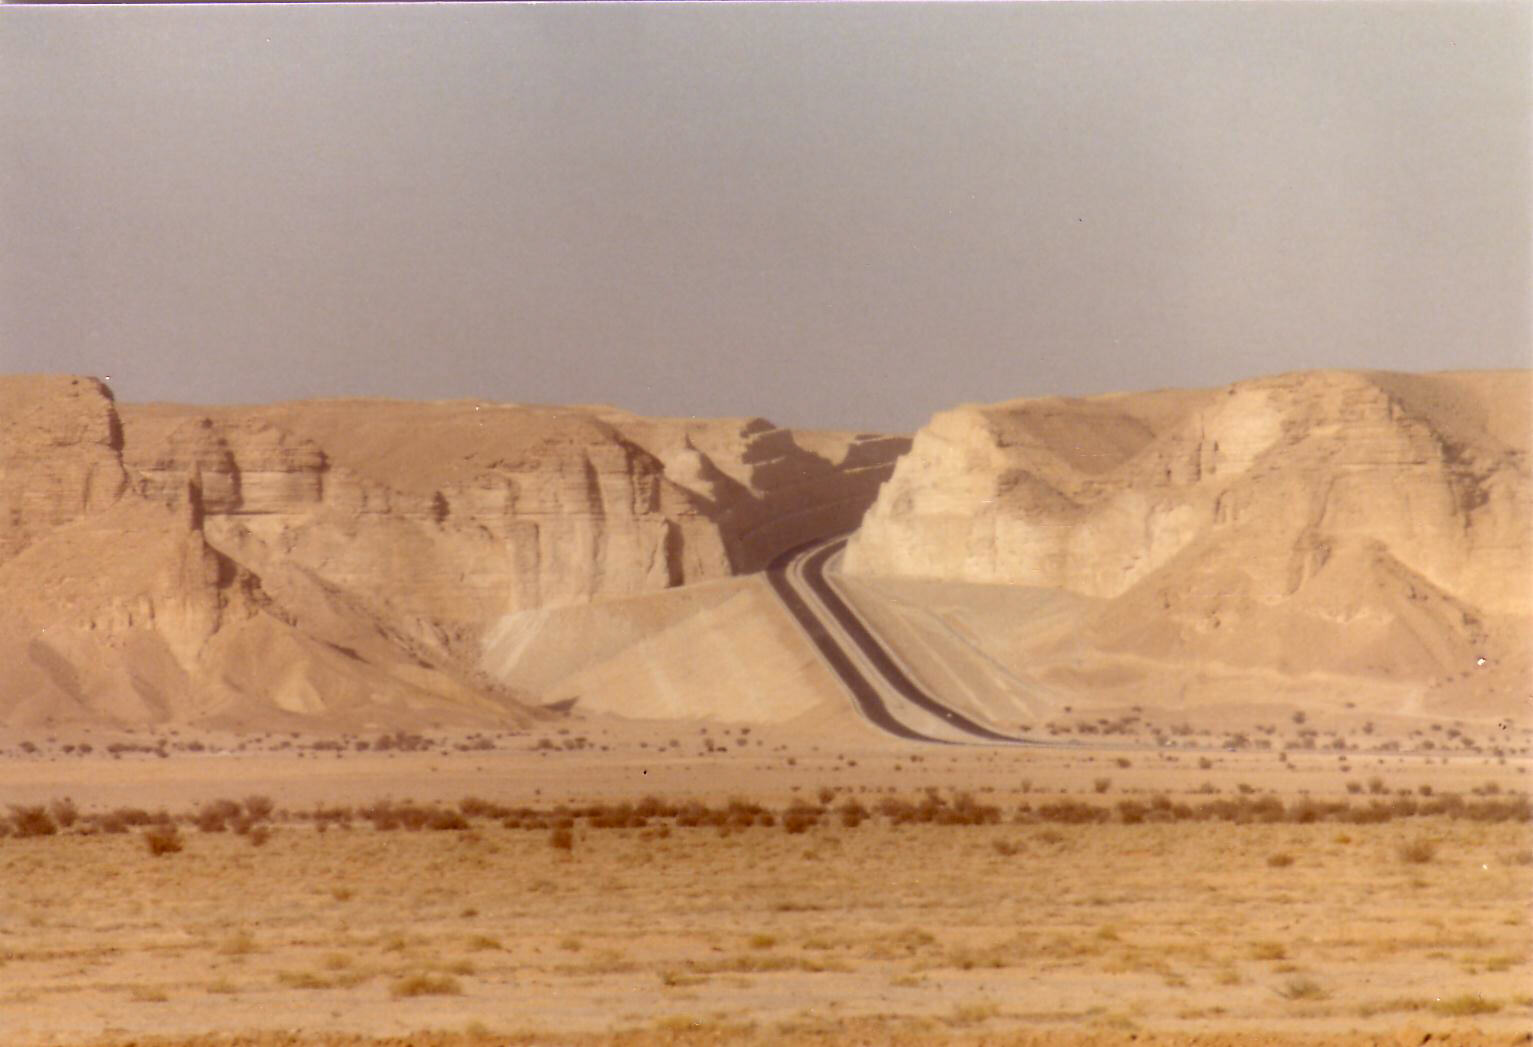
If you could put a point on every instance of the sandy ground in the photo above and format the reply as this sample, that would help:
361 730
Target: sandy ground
1024 931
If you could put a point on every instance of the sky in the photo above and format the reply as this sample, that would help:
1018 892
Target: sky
831 215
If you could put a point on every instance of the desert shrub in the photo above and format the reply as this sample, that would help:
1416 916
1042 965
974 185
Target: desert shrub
1267 809
425 985
1418 851
1101 785
32 821
383 814
966 810
798 819
1451 804
691 814
1511 809
64 812
225 809
162 839
654 807
443 821
852 813
1072 812
562 839
475 807
258 835
742 814
1280 860
210 818
323 816
604 817
1375 813
132 816
1131 812
412 816
1306 812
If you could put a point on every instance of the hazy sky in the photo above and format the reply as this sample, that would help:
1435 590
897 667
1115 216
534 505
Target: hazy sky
837 215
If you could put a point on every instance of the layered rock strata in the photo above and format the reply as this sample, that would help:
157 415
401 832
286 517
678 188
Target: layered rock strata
347 557
1320 522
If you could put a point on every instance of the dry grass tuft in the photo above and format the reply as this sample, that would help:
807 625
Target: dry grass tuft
1466 1005
1301 988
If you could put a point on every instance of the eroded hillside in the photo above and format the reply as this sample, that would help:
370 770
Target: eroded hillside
1326 532
341 561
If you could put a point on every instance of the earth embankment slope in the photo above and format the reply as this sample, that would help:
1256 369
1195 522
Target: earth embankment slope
1314 536
333 564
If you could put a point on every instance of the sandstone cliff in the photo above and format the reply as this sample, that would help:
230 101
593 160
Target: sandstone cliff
1361 525
346 558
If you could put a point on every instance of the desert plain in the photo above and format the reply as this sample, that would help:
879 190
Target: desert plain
361 722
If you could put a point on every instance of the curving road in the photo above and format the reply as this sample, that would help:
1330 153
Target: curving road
877 683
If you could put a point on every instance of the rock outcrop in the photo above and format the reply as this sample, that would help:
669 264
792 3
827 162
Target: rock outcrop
347 558
60 455
1324 522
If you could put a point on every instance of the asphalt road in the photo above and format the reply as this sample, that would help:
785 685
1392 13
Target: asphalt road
798 576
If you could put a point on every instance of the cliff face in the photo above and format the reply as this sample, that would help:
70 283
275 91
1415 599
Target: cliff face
767 489
346 558
1323 521
60 444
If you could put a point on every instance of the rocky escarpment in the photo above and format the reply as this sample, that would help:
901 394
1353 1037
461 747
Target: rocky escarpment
60 456
483 509
1357 523
346 557
438 516
767 489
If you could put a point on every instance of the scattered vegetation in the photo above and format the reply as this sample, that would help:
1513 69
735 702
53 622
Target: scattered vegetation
255 817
